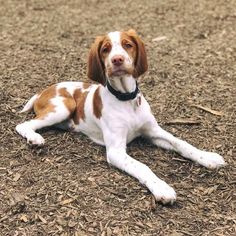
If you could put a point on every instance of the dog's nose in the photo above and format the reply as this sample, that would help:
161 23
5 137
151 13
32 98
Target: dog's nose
117 60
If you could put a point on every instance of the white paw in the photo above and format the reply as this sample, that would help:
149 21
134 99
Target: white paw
31 136
211 160
163 192
35 139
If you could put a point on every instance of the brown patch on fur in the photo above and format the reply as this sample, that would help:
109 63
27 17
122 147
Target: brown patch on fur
86 85
97 104
68 100
80 98
97 53
140 63
105 48
42 105
126 40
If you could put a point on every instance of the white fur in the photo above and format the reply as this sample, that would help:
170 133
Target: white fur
117 49
119 124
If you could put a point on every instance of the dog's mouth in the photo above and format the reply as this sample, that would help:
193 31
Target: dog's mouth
119 71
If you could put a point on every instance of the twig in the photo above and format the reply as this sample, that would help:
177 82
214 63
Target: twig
217 113
183 122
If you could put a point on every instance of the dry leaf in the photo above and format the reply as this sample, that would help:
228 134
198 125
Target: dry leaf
217 113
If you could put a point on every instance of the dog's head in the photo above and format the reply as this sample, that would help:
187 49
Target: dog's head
117 54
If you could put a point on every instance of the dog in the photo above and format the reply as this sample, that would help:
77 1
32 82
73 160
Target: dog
112 112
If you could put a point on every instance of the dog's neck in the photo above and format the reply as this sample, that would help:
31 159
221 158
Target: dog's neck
124 88
123 84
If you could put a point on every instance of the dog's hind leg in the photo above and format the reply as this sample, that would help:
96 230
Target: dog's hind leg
49 113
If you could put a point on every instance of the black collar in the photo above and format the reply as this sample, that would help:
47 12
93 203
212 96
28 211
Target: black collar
123 96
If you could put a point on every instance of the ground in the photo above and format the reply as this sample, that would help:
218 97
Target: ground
66 187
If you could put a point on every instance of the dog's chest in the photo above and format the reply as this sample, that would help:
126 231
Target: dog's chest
122 120
125 119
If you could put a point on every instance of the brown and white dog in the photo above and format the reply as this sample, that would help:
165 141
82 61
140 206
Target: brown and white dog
113 112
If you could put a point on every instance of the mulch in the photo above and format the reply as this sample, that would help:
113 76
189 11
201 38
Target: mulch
66 187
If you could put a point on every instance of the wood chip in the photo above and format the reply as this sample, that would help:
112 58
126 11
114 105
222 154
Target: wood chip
42 219
175 233
80 233
149 225
140 224
109 232
61 221
209 190
186 233
214 112
67 201
72 223
3 218
181 121
16 177
24 218
153 203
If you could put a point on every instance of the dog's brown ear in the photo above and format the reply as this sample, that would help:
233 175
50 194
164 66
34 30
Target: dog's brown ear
96 69
141 65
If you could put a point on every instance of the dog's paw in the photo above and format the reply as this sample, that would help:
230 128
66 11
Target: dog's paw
35 139
163 192
31 136
211 160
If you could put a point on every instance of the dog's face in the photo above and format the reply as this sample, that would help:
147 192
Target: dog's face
117 54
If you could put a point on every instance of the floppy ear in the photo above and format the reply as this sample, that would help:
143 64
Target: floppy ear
141 65
96 69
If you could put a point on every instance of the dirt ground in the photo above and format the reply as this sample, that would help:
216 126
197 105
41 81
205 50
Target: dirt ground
66 187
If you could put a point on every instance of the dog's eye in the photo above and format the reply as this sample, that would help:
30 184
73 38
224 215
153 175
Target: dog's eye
105 49
128 45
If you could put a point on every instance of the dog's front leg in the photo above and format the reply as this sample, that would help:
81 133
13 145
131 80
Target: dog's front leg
118 157
166 140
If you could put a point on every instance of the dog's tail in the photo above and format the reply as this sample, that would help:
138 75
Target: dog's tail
29 105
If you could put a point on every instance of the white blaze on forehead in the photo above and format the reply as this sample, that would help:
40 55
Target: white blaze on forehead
115 38
117 48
